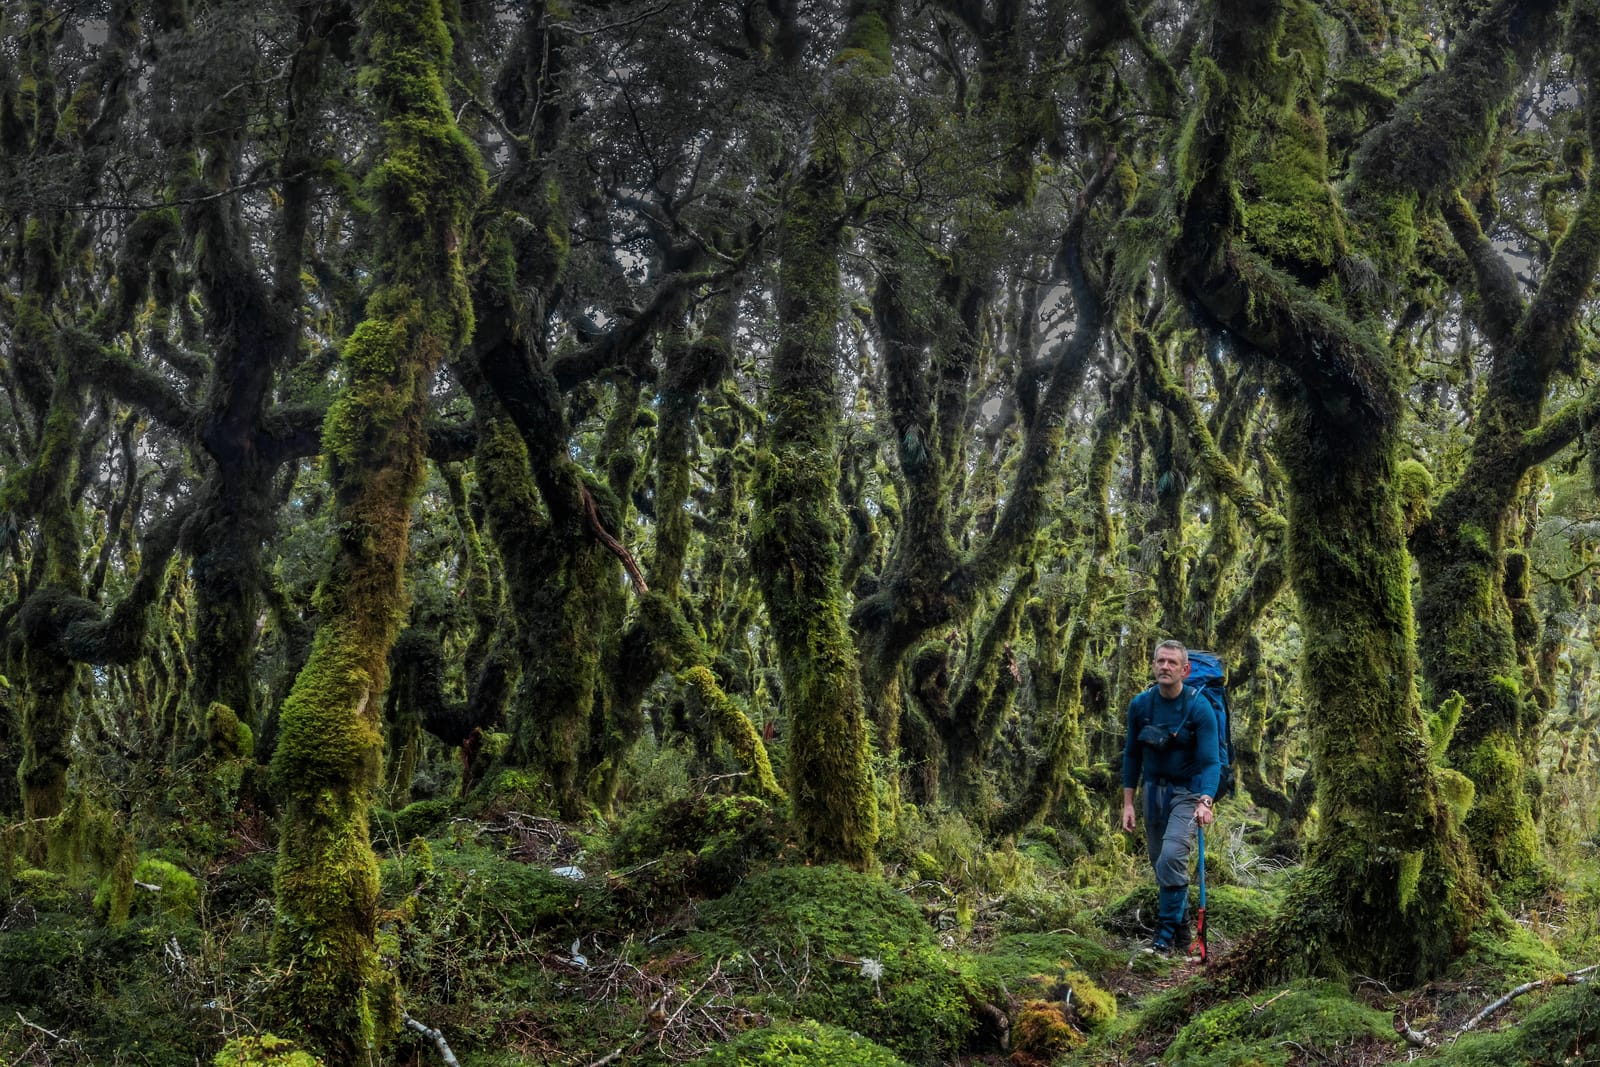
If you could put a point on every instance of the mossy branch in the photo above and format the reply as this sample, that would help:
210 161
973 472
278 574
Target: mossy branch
1498 293
1267 522
1024 502
736 728
1441 132
1559 430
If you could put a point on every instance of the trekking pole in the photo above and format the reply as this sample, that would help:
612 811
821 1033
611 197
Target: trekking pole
1198 945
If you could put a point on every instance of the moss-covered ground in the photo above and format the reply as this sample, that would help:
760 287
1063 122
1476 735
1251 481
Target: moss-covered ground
688 932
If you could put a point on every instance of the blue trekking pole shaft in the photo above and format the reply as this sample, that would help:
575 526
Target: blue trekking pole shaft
1200 915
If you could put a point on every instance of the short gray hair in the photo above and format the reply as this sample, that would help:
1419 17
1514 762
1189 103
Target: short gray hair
1177 645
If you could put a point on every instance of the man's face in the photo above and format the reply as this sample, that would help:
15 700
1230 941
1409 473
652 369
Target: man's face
1171 666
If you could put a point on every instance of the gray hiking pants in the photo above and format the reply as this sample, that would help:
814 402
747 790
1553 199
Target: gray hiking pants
1169 831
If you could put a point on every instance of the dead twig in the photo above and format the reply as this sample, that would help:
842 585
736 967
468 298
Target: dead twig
1412 1036
604 537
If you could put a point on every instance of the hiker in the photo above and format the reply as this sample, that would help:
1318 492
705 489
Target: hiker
1172 735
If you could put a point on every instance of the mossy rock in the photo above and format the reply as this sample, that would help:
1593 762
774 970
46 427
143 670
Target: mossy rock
801 1044
1278 1026
874 966
267 1050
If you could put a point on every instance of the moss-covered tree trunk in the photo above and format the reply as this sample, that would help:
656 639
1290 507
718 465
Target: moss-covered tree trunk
797 536
1391 886
1470 582
330 983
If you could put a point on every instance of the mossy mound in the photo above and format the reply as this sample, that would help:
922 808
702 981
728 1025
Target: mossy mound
1054 967
1277 1027
1503 952
1042 1032
479 889
268 1050
159 887
802 1044
694 846
871 962
421 819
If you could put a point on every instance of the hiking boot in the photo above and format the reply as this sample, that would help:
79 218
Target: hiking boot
1159 947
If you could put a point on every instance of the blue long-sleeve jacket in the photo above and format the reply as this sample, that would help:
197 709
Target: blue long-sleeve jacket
1195 764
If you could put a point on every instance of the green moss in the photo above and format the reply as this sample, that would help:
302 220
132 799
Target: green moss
1018 961
158 887
1458 792
419 819
1095 1006
1415 489
717 841
1042 1032
228 737
735 726
481 889
1563 1030
1273 1026
800 1044
1502 951
265 1050
874 964
1500 822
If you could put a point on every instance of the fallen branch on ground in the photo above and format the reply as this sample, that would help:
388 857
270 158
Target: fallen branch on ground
436 1037
1575 978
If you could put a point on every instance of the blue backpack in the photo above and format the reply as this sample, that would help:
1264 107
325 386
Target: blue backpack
1206 674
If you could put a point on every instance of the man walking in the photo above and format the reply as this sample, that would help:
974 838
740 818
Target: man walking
1172 738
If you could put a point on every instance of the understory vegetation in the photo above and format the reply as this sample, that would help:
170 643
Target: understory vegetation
686 932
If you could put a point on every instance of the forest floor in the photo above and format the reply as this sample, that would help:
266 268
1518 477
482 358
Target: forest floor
688 933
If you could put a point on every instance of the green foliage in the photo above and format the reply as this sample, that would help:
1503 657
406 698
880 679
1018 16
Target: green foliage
801 1044
45 891
128 992
1502 951
1269 1028
874 964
